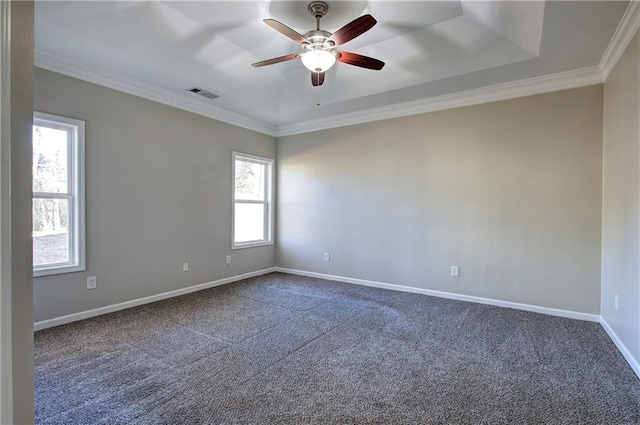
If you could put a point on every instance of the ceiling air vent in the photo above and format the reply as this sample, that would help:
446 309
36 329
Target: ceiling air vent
203 93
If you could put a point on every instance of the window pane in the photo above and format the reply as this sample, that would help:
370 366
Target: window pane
50 160
249 222
250 180
50 231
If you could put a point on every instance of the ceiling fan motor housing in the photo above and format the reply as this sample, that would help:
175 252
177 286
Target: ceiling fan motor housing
318 39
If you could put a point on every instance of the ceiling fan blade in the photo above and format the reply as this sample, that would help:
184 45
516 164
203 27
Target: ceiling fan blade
353 29
275 60
283 29
317 78
360 60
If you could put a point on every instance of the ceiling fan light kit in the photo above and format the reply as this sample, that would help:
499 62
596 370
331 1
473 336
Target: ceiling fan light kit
318 44
318 60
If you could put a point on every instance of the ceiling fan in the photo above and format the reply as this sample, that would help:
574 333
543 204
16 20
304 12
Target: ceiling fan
318 44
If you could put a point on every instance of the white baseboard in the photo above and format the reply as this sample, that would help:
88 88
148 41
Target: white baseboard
49 323
633 362
44 324
518 306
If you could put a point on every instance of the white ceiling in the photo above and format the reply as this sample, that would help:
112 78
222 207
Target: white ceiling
434 50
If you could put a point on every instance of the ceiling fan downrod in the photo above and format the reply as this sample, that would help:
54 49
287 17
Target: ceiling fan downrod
318 37
318 9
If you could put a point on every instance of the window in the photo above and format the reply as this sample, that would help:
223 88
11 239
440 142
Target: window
58 195
252 201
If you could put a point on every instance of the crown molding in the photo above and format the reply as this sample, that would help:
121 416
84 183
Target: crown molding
625 32
531 86
144 90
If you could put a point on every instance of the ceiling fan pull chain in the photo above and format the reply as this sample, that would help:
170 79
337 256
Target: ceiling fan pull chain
318 94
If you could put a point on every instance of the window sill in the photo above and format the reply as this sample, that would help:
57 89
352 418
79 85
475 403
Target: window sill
57 270
250 245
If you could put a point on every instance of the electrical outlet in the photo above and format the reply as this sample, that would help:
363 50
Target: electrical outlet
615 301
455 272
92 282
327 257
228 259
185 267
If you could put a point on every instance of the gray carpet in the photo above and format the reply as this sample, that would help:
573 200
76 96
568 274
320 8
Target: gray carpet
287 349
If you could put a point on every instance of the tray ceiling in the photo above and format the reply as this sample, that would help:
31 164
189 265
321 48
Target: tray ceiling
431 49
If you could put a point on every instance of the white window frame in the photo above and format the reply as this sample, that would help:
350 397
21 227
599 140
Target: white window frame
75 169
268 202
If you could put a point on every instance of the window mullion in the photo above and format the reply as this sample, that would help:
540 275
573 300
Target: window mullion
51 195
249 201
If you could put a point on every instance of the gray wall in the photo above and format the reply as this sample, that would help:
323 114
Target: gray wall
17 312
158 183
508 191
621 199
